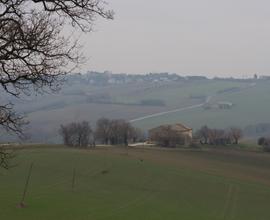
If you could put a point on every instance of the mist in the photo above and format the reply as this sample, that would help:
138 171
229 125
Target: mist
212 38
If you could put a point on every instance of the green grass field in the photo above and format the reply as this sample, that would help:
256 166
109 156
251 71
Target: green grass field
143 184
47 113
251 106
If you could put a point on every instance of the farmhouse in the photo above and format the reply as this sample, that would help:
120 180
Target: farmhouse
218 105
171 135
225 105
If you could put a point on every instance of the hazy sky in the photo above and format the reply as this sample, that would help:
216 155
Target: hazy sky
211 37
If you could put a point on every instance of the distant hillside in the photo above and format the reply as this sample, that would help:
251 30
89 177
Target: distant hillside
94 95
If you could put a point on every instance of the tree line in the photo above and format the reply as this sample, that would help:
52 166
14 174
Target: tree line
169 137
213 136
121 132
107 131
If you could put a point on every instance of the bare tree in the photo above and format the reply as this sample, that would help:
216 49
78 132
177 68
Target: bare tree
34 51
69 134
167 137
123 131
84 134
119 132
9 120
5 156
216 136
76 134
213 136
116 131
236 134
203 134
136 134
102 133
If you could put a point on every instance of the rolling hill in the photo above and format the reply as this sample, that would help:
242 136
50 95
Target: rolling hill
147 104
145 184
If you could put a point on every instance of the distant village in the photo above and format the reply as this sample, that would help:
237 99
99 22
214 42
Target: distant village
109 78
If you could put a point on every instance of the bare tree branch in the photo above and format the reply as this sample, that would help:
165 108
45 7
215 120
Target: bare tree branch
34 52
5 157
81 13
9 120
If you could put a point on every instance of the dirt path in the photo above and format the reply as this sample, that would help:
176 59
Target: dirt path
173 111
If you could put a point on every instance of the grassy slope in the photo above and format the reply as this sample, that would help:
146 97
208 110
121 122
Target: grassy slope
166 185
175 94
251 107
46 120
47 113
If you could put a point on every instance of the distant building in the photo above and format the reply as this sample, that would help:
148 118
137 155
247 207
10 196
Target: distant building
225 105
171 135
218 105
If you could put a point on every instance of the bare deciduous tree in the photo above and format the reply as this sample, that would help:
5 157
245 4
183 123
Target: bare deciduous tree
219 136
136 134
117 131
203 134
102 132
167 137
5 156
76 134
216 136
9 120
34 51
236 134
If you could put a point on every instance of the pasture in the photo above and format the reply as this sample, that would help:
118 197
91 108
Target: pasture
251 106
113 183
72 103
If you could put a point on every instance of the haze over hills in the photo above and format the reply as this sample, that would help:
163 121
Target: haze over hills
148 101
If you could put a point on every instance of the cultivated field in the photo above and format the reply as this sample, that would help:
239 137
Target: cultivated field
73 103
113 183
251 106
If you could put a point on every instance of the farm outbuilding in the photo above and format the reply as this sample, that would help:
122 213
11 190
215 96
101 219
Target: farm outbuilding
225 105
171 135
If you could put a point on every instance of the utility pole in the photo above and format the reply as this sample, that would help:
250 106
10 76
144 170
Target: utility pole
73 179
22 204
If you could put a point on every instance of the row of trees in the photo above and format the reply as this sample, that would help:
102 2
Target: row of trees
211 136
113 132
117 131
168 137
76 134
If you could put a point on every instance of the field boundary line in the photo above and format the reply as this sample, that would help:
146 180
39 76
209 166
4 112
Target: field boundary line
230 202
